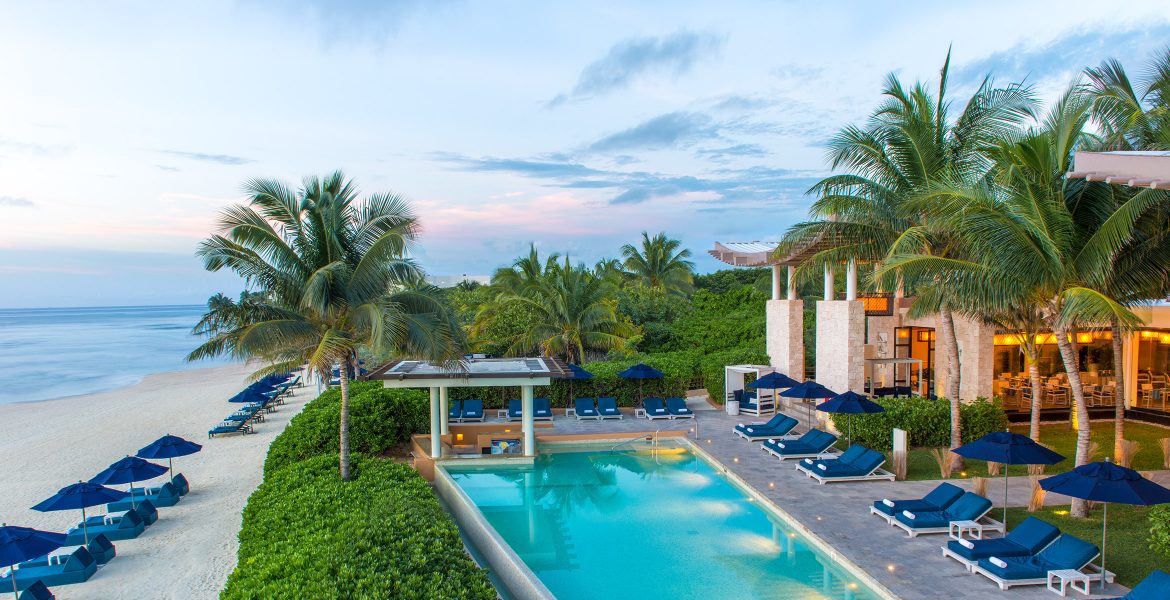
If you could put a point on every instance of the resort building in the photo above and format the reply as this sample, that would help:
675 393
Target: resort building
866 342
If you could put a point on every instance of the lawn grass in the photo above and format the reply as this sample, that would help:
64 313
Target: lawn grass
1128 552
921 465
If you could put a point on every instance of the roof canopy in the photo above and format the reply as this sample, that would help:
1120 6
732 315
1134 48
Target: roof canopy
761 254
1136 169
490 372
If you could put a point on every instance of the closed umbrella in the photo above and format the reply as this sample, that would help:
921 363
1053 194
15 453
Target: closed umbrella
169 447
850 403
1009 449
641 371
128 470
809 390
82 494
773 381
18 544
1107 482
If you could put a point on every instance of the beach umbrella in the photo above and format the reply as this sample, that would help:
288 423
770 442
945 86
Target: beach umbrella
1009 449
1107 482
169 447
128 470
248 395
82 494
574 373
773 381
641 371
809 390
850 403
18 544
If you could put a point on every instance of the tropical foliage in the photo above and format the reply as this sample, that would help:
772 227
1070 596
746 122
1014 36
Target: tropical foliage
660 264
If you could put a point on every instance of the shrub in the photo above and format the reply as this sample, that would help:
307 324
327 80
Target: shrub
1160 529
307 534
927 422
379 418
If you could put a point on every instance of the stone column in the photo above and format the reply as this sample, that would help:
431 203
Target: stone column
976 359
775 282
444 411
436 446
828 282
527 422
785 341
841 345
851 281
791 282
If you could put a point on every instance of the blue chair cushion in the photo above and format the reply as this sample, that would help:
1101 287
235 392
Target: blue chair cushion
584 407
608 406
1156 586
942 496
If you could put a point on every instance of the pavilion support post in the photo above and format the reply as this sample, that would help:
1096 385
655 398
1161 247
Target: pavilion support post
775 282
444 412
526 392
436 439
851 281
828 282
791 282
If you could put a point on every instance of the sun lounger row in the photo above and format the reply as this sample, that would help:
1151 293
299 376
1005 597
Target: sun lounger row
605 408
671 408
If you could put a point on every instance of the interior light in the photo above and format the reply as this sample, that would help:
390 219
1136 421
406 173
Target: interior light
890 568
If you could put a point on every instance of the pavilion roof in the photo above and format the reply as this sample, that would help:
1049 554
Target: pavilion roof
473 368
1135 169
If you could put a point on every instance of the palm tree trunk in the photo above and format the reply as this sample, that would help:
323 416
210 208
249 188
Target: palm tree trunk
344 432
951 343
1079 508
1118 392
1037 390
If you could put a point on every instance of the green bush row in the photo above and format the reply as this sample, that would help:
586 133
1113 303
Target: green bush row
379 418
927 422
382 534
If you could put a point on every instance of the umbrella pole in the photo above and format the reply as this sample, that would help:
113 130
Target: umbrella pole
1104 528
171 469
1005 494
132 505
12 574
84 526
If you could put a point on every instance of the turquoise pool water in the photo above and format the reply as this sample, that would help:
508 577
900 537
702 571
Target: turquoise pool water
635 523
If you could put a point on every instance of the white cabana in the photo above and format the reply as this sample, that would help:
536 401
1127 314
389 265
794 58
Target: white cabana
734 379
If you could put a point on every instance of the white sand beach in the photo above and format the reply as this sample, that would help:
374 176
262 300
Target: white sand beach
191 549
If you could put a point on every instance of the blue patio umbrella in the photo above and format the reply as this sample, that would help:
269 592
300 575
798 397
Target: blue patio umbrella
641 371
809 390
248 395
18 544
773 381
1009 449
1107 482
850 403
128 470
169 447
574 373
82 494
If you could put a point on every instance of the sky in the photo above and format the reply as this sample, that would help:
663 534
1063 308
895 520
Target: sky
126 127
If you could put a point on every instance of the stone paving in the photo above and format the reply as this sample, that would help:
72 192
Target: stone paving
913 569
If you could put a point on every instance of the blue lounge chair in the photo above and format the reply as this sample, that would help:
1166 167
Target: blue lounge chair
163 496
1027 539
143 506
120 526
813 444
181 484
677 407
583 408
37 591
101 549
751 403
541 409
942 496
1067 552
858 463
515 410
455 413
229 427
472 411
970 507
655 408
777 427
1156 586
57 569
608 409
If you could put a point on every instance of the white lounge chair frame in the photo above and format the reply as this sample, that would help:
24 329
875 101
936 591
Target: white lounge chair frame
989 524
1094 573
878 473
831 452
759 438
971 564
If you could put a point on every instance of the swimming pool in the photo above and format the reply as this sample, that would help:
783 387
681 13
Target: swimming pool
645 523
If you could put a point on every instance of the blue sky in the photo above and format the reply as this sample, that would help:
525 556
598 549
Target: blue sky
126 126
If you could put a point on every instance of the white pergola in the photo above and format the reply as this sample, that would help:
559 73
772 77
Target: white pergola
525 373
1149 169
763 254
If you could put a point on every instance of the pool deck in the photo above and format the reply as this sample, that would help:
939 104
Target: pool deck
911 568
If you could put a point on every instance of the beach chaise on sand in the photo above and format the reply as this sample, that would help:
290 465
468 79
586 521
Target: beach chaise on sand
455 412
57 569
939 498
101 549
541 409
1067 552
608 409
162 496
37 591
813 444
1156 586
229 427
144 507
655 408
119 526
778 426
970 507
472 411
583 408
677 407
858 463
1026 539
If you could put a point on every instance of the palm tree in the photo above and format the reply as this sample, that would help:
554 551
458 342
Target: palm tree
660 264
909 143
333 279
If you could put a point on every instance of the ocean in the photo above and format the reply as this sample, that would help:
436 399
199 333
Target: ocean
56 352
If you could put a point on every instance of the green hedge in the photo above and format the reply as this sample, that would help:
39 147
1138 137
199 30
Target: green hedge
1160 529
379 418
383 534
927 422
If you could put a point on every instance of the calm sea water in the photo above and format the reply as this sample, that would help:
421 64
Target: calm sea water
54 352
